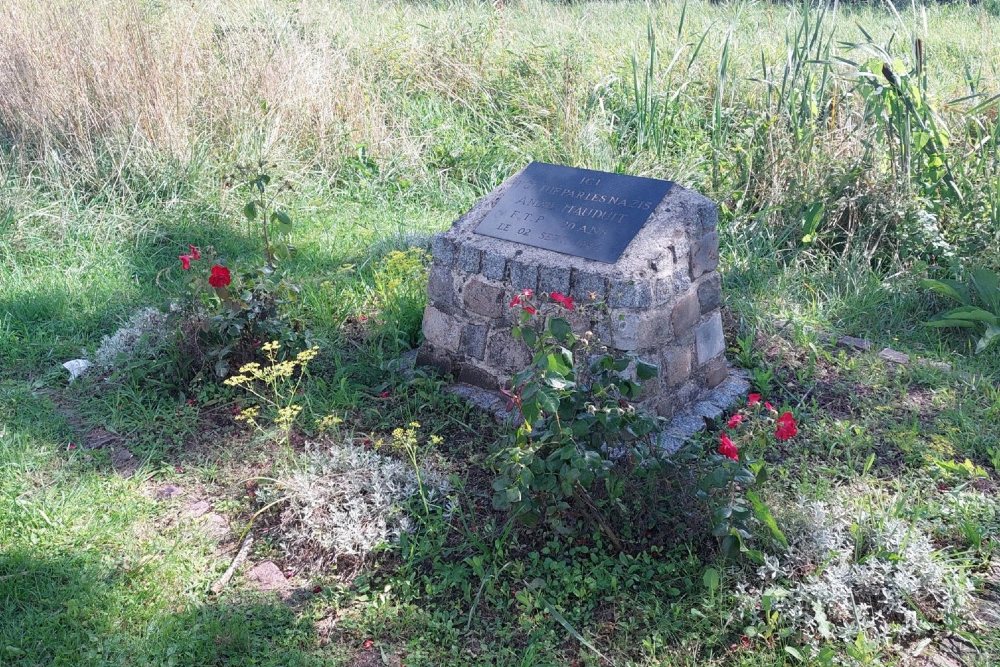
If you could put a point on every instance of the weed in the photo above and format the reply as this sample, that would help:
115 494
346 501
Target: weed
275 386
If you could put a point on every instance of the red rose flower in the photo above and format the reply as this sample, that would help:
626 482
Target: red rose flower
220 277
769 406
185 261
787 428
735 420
522 300
753 399
728 449
563 300
195 253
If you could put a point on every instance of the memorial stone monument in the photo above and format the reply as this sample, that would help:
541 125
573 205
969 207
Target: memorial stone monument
644 250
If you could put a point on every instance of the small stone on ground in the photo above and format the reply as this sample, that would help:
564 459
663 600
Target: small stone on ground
709 411
685 425
266 576
942 366
124 461
894 356
98 438
215 526
197 508
406 363
857 343
487 400
168 491
947 652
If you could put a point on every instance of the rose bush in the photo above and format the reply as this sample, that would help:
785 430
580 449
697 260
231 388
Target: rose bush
582 436
731 478
225 316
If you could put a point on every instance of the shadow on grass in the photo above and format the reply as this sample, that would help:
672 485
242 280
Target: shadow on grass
54 311
73 610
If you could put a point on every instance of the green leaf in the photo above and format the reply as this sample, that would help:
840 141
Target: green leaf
558 382
556 364
971 313
250 210
283 222
992 334
645 371
763 514
722 513
987 284
730 546
945 324
560 329
949 288
547 401
567 357
711 579
500 501
530 412
630 389
795 653
822 622
810 221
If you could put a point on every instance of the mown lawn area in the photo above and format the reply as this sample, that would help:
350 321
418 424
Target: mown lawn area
854 154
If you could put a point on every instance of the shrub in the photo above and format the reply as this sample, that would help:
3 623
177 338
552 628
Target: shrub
141 338
853 571
346 501
586 454
581 435
730 477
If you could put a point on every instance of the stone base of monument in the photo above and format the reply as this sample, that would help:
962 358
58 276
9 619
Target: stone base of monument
658 300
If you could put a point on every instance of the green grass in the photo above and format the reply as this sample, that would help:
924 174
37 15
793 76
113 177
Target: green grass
427 107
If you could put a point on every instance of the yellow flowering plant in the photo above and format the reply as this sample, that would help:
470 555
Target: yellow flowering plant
275 385
406 440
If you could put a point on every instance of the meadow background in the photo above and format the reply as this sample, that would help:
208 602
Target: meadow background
840 187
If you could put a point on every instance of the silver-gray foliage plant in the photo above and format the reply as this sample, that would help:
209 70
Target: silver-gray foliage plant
143 336
346 501
853 570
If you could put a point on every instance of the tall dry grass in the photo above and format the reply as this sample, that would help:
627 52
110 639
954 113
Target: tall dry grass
456 94
121 81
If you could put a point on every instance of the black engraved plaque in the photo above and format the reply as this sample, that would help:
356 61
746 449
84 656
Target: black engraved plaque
580 212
